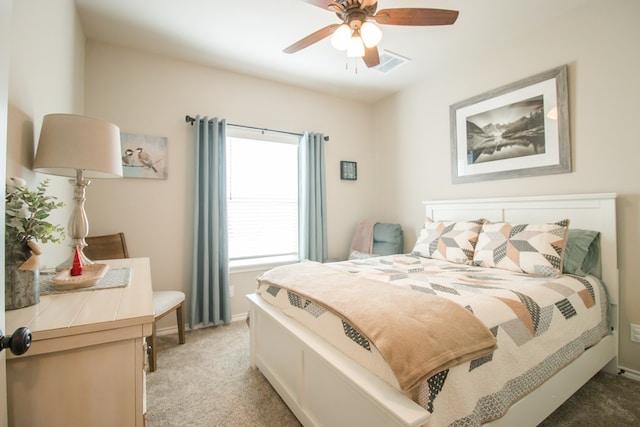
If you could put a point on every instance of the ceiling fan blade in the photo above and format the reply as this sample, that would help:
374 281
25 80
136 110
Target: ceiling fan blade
367 3
327 5
371 56
312 38
416 16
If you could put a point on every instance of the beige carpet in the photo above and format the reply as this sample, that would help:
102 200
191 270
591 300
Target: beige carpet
207 382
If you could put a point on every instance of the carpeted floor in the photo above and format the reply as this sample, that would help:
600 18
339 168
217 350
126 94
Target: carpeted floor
208 382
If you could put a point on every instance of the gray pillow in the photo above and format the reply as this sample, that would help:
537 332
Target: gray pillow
388 239
582 252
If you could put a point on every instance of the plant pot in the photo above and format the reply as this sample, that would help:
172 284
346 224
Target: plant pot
21 287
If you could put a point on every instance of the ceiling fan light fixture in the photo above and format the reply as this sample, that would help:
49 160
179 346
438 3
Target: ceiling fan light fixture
358 26
341 37
370 33
356 47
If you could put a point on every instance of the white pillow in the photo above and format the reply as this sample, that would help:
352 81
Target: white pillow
448 240
528 248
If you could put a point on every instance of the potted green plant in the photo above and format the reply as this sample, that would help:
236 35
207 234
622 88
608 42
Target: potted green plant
26 214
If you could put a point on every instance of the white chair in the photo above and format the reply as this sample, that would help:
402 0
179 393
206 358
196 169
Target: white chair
114 246
164 302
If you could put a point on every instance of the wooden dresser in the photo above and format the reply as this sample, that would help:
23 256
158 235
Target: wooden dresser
86 364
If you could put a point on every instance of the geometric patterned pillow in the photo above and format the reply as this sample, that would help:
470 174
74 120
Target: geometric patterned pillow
529 248
449 241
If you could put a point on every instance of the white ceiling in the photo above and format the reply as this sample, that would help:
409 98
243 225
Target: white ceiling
248 36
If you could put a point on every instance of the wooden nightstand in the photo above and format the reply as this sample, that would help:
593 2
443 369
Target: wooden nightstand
86 363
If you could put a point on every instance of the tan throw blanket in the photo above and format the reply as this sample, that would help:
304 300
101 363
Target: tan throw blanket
363 237
418 334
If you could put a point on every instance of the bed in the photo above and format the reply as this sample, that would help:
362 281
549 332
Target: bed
324 386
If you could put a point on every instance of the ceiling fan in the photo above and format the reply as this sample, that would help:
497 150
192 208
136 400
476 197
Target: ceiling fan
358 35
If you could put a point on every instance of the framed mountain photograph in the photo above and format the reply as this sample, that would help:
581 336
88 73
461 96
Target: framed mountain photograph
518 130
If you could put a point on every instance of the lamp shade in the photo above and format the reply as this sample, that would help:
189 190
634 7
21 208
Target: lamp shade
370 33
341 36
356 48
70 142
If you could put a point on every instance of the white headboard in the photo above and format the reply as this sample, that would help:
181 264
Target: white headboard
585 211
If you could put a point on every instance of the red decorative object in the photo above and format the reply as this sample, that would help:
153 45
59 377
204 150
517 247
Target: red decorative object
76 268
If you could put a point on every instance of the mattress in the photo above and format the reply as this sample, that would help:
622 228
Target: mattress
541 325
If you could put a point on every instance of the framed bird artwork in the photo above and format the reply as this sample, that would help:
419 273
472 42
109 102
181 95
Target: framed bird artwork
144 156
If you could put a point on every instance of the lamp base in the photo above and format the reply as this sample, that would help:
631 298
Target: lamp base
78 223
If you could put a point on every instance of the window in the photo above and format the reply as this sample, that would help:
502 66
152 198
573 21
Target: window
262 197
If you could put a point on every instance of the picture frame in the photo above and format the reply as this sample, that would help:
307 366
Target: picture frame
144 156
517 130
348 170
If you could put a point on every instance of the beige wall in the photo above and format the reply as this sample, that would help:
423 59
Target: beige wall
46 75
603 55
150 94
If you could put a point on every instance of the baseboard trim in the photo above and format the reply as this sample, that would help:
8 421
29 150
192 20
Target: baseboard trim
239 317
629 373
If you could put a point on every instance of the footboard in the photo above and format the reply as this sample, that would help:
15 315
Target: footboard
323 387
319 384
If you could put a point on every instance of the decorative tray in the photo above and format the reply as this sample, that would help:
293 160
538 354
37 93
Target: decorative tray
91 274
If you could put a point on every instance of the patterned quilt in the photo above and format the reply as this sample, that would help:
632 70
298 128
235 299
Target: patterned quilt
541 325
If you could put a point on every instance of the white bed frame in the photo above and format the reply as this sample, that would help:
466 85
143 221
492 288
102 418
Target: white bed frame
323 387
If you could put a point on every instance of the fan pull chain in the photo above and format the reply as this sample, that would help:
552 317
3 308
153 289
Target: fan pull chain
355 64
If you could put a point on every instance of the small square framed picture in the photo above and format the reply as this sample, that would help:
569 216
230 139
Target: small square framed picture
144 156
348 170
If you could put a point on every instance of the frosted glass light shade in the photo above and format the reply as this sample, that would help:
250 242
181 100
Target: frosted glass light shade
356 48
370 33
341 36
70 142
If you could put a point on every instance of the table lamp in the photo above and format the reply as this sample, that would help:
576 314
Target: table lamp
80 147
